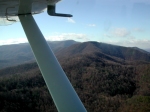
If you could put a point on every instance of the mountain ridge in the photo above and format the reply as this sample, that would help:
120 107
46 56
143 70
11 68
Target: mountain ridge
16 54
21 53
125 53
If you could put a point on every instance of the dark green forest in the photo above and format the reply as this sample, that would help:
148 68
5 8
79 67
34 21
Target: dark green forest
104 85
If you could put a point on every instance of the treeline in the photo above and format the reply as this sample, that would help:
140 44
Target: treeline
103 86
25 92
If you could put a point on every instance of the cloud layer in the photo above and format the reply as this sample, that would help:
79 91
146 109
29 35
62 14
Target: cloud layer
70 20
69 36
141 43
13 41
129 42
120 32
56 37
91 25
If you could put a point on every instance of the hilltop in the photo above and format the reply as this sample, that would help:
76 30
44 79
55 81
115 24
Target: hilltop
124 53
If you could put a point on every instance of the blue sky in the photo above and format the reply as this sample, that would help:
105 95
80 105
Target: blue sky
120 22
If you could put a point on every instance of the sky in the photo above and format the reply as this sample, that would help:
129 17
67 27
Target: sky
118 22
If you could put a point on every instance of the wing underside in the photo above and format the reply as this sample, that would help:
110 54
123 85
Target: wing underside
9 9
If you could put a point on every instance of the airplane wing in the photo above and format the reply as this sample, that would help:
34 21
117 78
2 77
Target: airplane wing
10 9
60 88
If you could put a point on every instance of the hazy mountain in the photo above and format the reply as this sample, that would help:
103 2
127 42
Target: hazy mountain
148 50
21 53
142 50
125 53
58 45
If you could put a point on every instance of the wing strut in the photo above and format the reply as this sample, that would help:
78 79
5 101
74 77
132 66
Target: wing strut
61 90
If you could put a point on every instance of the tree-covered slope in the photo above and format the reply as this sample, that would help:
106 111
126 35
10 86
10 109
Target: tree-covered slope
125 53
101 83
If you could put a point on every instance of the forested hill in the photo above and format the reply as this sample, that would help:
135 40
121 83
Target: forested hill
125 53
104 83
11 55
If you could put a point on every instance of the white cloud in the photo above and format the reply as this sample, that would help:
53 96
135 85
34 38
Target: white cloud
107 35
120 32
131 37
91 25
56 37
141 43
13 41
70 20
69 36
138 30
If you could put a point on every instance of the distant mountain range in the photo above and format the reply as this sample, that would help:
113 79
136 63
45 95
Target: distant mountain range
11 55
16 54
124 53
